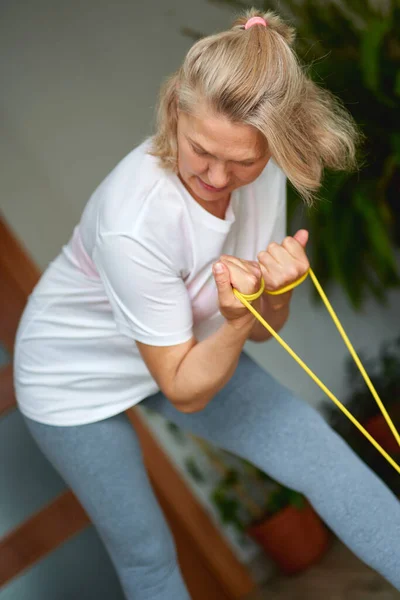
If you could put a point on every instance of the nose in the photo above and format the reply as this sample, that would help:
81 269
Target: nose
218 175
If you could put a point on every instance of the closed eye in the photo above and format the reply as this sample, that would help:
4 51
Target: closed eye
199 152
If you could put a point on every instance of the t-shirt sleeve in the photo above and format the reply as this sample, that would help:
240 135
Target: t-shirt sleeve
147 294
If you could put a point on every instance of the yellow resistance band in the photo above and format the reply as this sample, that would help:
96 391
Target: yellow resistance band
247 298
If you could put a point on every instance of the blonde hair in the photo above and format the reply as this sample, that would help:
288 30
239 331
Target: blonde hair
254 77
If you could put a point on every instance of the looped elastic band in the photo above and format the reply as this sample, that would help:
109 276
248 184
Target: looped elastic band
287 288
246 302
251 297
255 21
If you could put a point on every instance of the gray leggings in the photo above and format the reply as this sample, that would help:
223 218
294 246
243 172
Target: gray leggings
256 418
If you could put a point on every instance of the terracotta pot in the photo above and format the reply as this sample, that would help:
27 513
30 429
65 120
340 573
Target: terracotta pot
381 432
294 538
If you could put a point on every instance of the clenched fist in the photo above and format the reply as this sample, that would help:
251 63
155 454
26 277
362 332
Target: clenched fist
283 264
244 275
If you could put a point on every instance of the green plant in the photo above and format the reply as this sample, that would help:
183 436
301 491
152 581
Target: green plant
354 50
384 372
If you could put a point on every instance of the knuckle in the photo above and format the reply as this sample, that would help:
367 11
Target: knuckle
275 283
253 280
288 240
293 274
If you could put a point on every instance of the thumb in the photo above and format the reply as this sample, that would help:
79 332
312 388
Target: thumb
302 237
223 281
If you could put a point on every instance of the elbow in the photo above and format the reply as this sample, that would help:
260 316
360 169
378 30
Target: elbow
188 406
182 405
191 407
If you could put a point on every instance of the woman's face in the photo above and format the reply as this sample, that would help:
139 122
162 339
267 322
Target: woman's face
216 156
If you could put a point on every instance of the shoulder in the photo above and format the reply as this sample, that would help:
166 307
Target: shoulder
138 191
140 209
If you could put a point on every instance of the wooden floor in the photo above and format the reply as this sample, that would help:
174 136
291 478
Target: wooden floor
340 576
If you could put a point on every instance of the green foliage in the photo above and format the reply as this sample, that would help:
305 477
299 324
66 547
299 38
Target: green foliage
194 470
276 497
280 497
355 52
176 432
357 56
384 372
283 497
228 508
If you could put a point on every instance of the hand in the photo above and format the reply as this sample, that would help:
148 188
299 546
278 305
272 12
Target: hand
282 264
245 276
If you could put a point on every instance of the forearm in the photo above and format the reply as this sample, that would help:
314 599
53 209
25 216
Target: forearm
209 365
275 311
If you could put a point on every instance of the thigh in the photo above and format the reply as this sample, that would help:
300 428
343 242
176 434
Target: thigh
102 463
257 418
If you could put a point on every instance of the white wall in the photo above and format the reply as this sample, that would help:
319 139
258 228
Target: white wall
78 87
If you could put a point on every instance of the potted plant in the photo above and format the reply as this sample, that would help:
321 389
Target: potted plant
281 520
384 372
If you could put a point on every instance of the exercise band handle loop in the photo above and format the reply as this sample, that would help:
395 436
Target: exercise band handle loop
247 298
262 290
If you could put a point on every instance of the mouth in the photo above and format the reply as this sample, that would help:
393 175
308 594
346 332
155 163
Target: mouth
211 188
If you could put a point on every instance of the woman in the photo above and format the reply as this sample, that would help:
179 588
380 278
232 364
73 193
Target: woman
138 307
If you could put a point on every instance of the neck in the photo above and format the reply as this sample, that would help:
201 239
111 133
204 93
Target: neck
217 208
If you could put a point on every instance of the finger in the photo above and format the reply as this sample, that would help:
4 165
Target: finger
294 248
234 265
262 261
277 275
254 267
297 257
271 270
243 279
240 262
269 261
301 236
247 266
277 252
223 282
233 260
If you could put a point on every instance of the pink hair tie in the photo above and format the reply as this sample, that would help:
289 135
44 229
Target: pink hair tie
255 21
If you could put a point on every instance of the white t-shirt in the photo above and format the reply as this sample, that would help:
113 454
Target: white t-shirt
147 276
